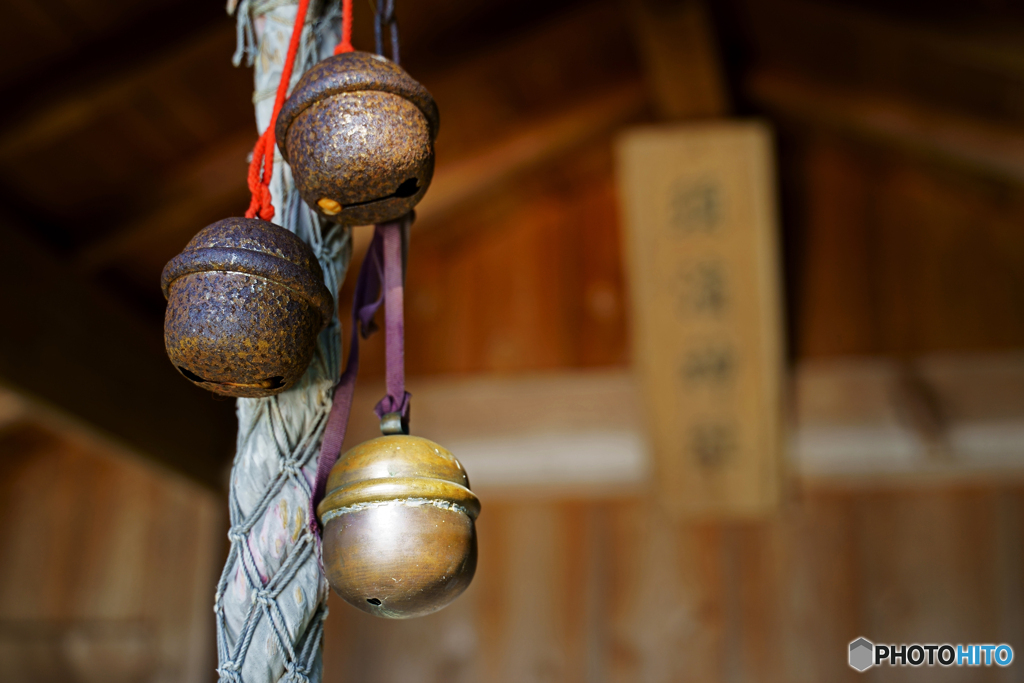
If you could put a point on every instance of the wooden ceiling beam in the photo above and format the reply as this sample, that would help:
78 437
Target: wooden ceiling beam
971 70
171 218
177 210
143 30
501 147
71 346
534 145
471 180
679 52
980 145
78 103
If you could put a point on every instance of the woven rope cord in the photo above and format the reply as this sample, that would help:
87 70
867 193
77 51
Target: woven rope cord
270 602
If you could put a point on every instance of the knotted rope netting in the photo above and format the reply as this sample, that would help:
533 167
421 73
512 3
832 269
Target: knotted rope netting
271 599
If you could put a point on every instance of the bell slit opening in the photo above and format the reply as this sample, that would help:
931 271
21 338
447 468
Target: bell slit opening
191 375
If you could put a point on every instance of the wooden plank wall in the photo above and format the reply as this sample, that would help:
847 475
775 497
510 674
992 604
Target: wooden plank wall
894 255
901 161
612 590
575 590
898 255
529 280
107 565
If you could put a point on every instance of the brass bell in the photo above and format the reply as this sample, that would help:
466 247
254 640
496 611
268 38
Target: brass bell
399 538
245 302
359 134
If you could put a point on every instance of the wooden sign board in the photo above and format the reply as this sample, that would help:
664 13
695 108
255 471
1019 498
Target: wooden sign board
699 212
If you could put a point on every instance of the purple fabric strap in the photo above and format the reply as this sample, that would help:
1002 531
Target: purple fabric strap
397 398
381 275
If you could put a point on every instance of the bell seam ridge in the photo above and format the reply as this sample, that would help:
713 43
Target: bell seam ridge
322 303
407 502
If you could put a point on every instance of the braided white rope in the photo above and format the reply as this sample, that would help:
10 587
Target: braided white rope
271 598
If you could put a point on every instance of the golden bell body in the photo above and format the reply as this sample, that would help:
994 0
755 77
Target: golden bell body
399 536
359 134
246 301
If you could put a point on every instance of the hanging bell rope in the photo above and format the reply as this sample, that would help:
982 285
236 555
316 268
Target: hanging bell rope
261 168
271 599
345 44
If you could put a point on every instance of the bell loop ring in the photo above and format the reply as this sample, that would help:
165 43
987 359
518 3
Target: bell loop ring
394 423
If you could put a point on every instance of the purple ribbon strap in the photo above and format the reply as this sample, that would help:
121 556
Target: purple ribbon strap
397 398
382 276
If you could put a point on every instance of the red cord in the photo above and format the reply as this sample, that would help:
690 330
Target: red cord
263 152
345 44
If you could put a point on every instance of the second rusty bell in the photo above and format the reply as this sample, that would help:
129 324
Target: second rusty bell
246 301
359 134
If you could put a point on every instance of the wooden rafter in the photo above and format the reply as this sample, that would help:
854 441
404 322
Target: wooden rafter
889 119
74 107
679 53
178 208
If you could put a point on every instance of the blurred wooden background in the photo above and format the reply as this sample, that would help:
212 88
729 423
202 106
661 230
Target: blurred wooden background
900 138
108 562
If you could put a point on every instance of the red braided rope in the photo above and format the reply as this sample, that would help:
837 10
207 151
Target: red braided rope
263 152
345 44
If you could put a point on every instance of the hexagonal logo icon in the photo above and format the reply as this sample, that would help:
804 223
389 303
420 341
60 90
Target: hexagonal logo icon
862 653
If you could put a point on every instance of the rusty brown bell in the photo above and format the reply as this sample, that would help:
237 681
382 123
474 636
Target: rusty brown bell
245 302
399 531
359 134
